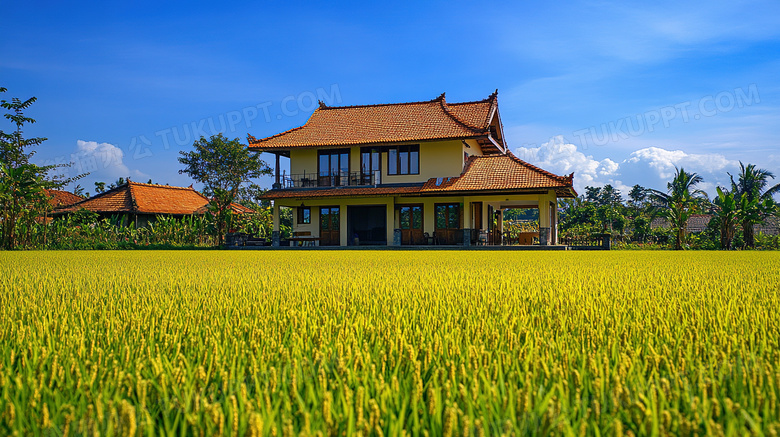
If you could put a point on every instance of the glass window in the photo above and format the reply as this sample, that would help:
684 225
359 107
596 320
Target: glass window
332 164
324 217
441 216
417 217
404 160
405 219
324 164
334 218
344 162
454 217
392 161
304 215
365 162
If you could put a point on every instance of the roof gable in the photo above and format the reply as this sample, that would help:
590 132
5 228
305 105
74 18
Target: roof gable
386 123
134 197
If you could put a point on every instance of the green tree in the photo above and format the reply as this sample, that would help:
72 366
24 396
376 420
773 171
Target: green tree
22 183
681 200
222 166
726 215
637 195
79 191
755 199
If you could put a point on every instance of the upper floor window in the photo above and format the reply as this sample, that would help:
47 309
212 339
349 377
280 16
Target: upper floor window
333 167
370 165
403 160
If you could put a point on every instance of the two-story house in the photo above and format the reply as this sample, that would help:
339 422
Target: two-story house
407 173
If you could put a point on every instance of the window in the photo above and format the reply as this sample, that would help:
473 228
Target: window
333 167
370 166
304 215
403 160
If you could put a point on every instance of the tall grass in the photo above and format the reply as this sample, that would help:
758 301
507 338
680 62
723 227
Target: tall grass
389 343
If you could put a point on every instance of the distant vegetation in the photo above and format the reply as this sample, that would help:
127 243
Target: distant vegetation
733 213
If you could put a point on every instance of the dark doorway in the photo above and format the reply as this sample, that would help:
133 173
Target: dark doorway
367 225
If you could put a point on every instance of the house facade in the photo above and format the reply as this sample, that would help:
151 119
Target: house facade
428 172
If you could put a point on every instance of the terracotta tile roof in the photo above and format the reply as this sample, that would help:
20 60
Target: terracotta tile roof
61 198
473 113
134 197
386 123
483 174
498 173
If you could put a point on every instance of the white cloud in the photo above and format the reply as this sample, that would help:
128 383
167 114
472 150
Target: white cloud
664 161
651 167
563 158
103 162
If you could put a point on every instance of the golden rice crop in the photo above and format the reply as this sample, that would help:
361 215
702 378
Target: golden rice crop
388 343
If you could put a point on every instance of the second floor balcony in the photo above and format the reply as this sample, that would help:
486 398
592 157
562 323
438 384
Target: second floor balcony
340 179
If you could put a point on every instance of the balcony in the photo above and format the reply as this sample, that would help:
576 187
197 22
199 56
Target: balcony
342 179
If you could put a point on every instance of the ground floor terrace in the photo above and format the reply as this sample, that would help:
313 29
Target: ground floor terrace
417 221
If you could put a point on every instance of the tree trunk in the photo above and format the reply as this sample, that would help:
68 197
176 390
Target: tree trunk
747 234
726 235
679 238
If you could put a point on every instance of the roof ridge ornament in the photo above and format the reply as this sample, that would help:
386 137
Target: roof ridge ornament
322 104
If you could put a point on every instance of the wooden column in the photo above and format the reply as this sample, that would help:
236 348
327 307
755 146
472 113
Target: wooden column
276 175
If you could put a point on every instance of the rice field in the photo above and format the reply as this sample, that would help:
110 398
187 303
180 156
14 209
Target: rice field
389 343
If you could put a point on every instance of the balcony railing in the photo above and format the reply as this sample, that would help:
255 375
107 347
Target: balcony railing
342 179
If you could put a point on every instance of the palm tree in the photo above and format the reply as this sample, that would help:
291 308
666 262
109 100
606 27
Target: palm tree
681 200
727 214
750 189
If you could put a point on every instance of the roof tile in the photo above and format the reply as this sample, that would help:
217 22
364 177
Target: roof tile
134 197
60 199
386 123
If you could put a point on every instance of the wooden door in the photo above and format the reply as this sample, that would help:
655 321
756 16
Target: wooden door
329 226
412 224
449 223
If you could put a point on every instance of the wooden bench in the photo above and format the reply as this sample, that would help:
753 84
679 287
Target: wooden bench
304 238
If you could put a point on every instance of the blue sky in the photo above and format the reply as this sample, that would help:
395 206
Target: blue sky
616 93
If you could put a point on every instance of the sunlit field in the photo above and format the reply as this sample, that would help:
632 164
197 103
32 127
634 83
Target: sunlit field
388 343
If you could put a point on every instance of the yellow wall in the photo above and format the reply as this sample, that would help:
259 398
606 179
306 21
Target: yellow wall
303 161
437 159
473 149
